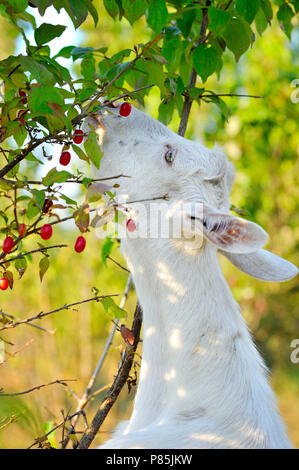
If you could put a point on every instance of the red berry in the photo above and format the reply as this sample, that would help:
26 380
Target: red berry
22 230
78 136
3 283
65 158
46 231
125 109
131 226
20 114
80 244
8 244
22 93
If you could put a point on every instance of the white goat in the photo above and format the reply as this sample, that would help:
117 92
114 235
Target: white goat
202 382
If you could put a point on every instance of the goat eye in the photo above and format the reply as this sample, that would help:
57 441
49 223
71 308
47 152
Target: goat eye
169 156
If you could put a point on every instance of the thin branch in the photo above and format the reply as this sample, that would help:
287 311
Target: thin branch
87 394
231 95
41 439
119 382
118 264
39 250
19 183
65 307
156 198
11 355
38 387
28 149
128 94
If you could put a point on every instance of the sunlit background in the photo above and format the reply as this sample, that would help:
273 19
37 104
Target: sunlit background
261 138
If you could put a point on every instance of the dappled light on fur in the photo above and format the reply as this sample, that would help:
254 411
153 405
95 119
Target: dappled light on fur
202 383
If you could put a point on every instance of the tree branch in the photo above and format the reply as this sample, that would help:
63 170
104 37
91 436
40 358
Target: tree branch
39 250
119 382
65 307
192 81
38 387
87 394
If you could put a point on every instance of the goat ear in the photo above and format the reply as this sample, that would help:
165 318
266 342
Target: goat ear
231 233
263 265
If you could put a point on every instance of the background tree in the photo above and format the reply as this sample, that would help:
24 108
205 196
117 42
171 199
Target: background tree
177 53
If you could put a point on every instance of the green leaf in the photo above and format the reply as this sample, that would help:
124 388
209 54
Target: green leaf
92 10
205 60
81 217
88 67
218 20
39 97
46 32
42 5
79 52
113 310
51 436
65 52
39 197
85 93
32 209
134 9
93 150
17 5
285 15
237 36
43 267
21 265
54 176
172 51
267 9
111 7
166 110
68 200
20 135
185 22
157 15
37 70
77 11
80 153
248 9
106 249
261 22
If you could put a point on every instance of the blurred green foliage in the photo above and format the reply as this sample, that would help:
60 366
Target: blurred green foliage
261 138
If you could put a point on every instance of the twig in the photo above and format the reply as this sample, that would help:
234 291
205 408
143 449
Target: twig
11 355
128 94
231 95
87 396
119 382
40 250
27 182
156 198
38 387
65 307
41 439
118 264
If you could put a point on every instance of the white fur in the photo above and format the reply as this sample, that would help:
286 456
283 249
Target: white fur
202 382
